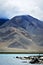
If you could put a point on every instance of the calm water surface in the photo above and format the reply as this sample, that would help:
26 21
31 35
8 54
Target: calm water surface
10 59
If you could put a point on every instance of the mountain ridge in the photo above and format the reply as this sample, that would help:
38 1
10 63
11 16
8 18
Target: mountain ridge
28 18
3 20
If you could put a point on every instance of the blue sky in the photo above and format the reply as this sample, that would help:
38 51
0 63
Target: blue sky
11 8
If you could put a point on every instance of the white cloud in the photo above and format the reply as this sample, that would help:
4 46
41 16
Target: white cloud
10 8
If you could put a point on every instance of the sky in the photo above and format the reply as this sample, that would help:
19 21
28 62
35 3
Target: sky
11 8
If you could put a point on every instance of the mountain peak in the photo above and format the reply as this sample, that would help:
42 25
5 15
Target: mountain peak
25 20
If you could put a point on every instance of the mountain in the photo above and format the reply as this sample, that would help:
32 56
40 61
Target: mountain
2 21
25 21
22 33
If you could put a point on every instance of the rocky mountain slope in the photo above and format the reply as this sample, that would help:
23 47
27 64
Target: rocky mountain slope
23 33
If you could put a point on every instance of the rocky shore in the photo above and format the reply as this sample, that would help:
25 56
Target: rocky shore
32 59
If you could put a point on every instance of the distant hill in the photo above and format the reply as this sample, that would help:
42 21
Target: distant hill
2 21
22 32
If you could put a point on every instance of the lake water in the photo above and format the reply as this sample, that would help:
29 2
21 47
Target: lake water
10 59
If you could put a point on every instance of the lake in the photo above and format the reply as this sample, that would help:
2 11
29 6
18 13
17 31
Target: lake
10 59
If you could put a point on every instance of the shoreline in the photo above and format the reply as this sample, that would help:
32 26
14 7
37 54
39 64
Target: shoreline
21 52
